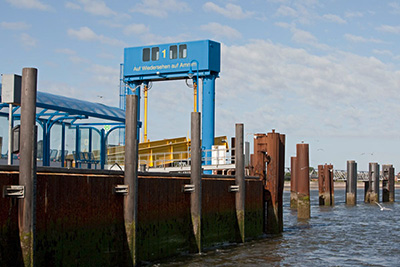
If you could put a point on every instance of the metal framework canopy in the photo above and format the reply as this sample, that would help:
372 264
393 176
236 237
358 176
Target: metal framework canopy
172 61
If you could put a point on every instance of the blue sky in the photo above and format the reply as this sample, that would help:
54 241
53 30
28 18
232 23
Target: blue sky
323 72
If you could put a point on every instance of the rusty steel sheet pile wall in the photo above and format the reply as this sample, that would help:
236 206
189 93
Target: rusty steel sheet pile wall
270 149
10 247
80 221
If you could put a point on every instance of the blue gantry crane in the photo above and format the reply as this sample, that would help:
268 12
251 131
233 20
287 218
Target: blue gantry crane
174 61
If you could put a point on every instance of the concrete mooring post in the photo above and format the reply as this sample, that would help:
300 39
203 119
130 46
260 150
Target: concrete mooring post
27 165
303 182
372 189
351 183
325 185
293 183
195 178
131 174
239 178
388 183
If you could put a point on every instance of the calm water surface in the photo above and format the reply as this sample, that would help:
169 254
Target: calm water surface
334 236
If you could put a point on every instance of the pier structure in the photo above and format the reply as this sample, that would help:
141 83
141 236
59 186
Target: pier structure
176 61
27 167
351 183
325 185
388 185
372 185
293 182
267 162
303 181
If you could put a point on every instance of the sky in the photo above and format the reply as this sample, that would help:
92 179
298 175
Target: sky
326 73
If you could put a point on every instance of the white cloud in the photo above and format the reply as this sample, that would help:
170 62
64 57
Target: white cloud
94 7
395 7
334 18
66 51
283 25
231 11
303 37
360 39
136 29
388 28
14 25
87 34
219 30
354 14
72 5
286 86
382 52
29 4
27 40
160 8
286 11
73 57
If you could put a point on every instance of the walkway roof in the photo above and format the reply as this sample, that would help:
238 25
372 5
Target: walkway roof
66 106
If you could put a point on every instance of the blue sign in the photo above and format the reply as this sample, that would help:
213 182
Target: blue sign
172 61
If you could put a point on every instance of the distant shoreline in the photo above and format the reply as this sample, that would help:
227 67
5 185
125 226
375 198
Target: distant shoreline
337 185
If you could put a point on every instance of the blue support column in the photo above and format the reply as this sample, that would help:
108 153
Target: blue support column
90 145
62 144
208 117
77 144
48 144
102 148
137 92
46 152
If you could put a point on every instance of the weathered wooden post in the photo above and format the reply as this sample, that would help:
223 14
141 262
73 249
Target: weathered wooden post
351 183
239 178
388 183
27 165
293 183
391 184
385 183
325 185
372 192
131 174
195 178
303 184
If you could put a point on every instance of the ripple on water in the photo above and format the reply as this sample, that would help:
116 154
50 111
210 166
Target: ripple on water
361 235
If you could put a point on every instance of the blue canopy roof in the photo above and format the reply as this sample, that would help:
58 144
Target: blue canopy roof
66 106
79 107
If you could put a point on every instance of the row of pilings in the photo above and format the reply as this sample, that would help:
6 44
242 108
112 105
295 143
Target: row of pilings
300 183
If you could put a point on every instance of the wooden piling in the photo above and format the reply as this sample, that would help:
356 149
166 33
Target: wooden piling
385 182
351 183
293 183
325 185
195 178
239 178
388 183
303 181
372 193
391 185
27 165
131 175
